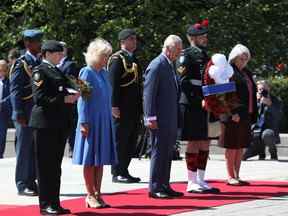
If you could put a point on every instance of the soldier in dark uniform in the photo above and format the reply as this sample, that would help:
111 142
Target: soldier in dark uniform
21 100
51 119
194 124
69 68
124 76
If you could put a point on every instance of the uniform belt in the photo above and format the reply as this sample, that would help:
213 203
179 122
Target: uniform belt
196 82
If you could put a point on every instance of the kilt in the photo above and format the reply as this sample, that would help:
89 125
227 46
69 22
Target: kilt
193 123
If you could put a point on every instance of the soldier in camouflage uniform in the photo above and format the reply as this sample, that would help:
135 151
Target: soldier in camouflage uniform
194 123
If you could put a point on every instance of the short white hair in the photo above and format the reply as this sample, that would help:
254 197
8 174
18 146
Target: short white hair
238 50
96 48
171 42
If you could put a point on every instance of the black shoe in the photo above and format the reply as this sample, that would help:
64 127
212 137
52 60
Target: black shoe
121 179
212 190
28 192
133 179
173 193
63 210
261 158
49 211
160 195
125 179
57 210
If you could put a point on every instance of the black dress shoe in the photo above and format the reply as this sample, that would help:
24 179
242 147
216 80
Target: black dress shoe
50 211
133 179
211 190
63 210
125 179
173 193
57 210
160 195
27 192
120 179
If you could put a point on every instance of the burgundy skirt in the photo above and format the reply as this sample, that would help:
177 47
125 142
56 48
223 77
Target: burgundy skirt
235 135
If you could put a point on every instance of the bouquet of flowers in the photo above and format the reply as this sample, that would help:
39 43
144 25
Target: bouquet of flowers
81 86
219 89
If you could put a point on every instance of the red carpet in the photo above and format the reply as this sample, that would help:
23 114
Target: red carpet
136 202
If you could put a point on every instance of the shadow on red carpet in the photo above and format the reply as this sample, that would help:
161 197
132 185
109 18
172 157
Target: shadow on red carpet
136 202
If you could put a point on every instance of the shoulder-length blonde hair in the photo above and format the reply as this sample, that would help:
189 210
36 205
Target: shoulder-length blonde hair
96 48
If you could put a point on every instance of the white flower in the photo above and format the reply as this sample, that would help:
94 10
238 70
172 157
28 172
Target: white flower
221 71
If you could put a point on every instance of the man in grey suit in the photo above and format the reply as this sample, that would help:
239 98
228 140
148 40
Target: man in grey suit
160 108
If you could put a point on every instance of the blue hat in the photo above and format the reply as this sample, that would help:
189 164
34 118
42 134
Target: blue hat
33 34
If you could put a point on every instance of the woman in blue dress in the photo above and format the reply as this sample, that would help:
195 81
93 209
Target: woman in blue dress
95 142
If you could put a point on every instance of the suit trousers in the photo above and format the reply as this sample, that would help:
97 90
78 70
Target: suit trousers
4 118
49 151
161 158
25 175
126 131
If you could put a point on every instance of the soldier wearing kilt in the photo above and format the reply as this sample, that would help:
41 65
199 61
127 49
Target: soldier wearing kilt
193 117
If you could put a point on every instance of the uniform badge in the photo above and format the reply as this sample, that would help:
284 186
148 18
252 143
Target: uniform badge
60 88
37 79
181 70
36 76
181 59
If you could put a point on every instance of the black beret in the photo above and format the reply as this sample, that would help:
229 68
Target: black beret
32 34
198 28
52 46
125 33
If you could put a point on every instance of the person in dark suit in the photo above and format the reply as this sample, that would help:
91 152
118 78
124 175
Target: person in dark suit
266 130
69 68
5 105
51 119
160 109
125 77
21 100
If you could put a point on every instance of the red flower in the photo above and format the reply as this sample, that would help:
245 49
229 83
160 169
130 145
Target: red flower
280 67
205 23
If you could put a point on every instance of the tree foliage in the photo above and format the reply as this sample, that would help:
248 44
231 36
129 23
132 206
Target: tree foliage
259 24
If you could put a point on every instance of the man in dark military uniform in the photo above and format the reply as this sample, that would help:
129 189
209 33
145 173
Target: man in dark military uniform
194 122
125 79
51 120
21 99
69 68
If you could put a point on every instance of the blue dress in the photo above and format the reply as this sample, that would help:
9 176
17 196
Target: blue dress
99 147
